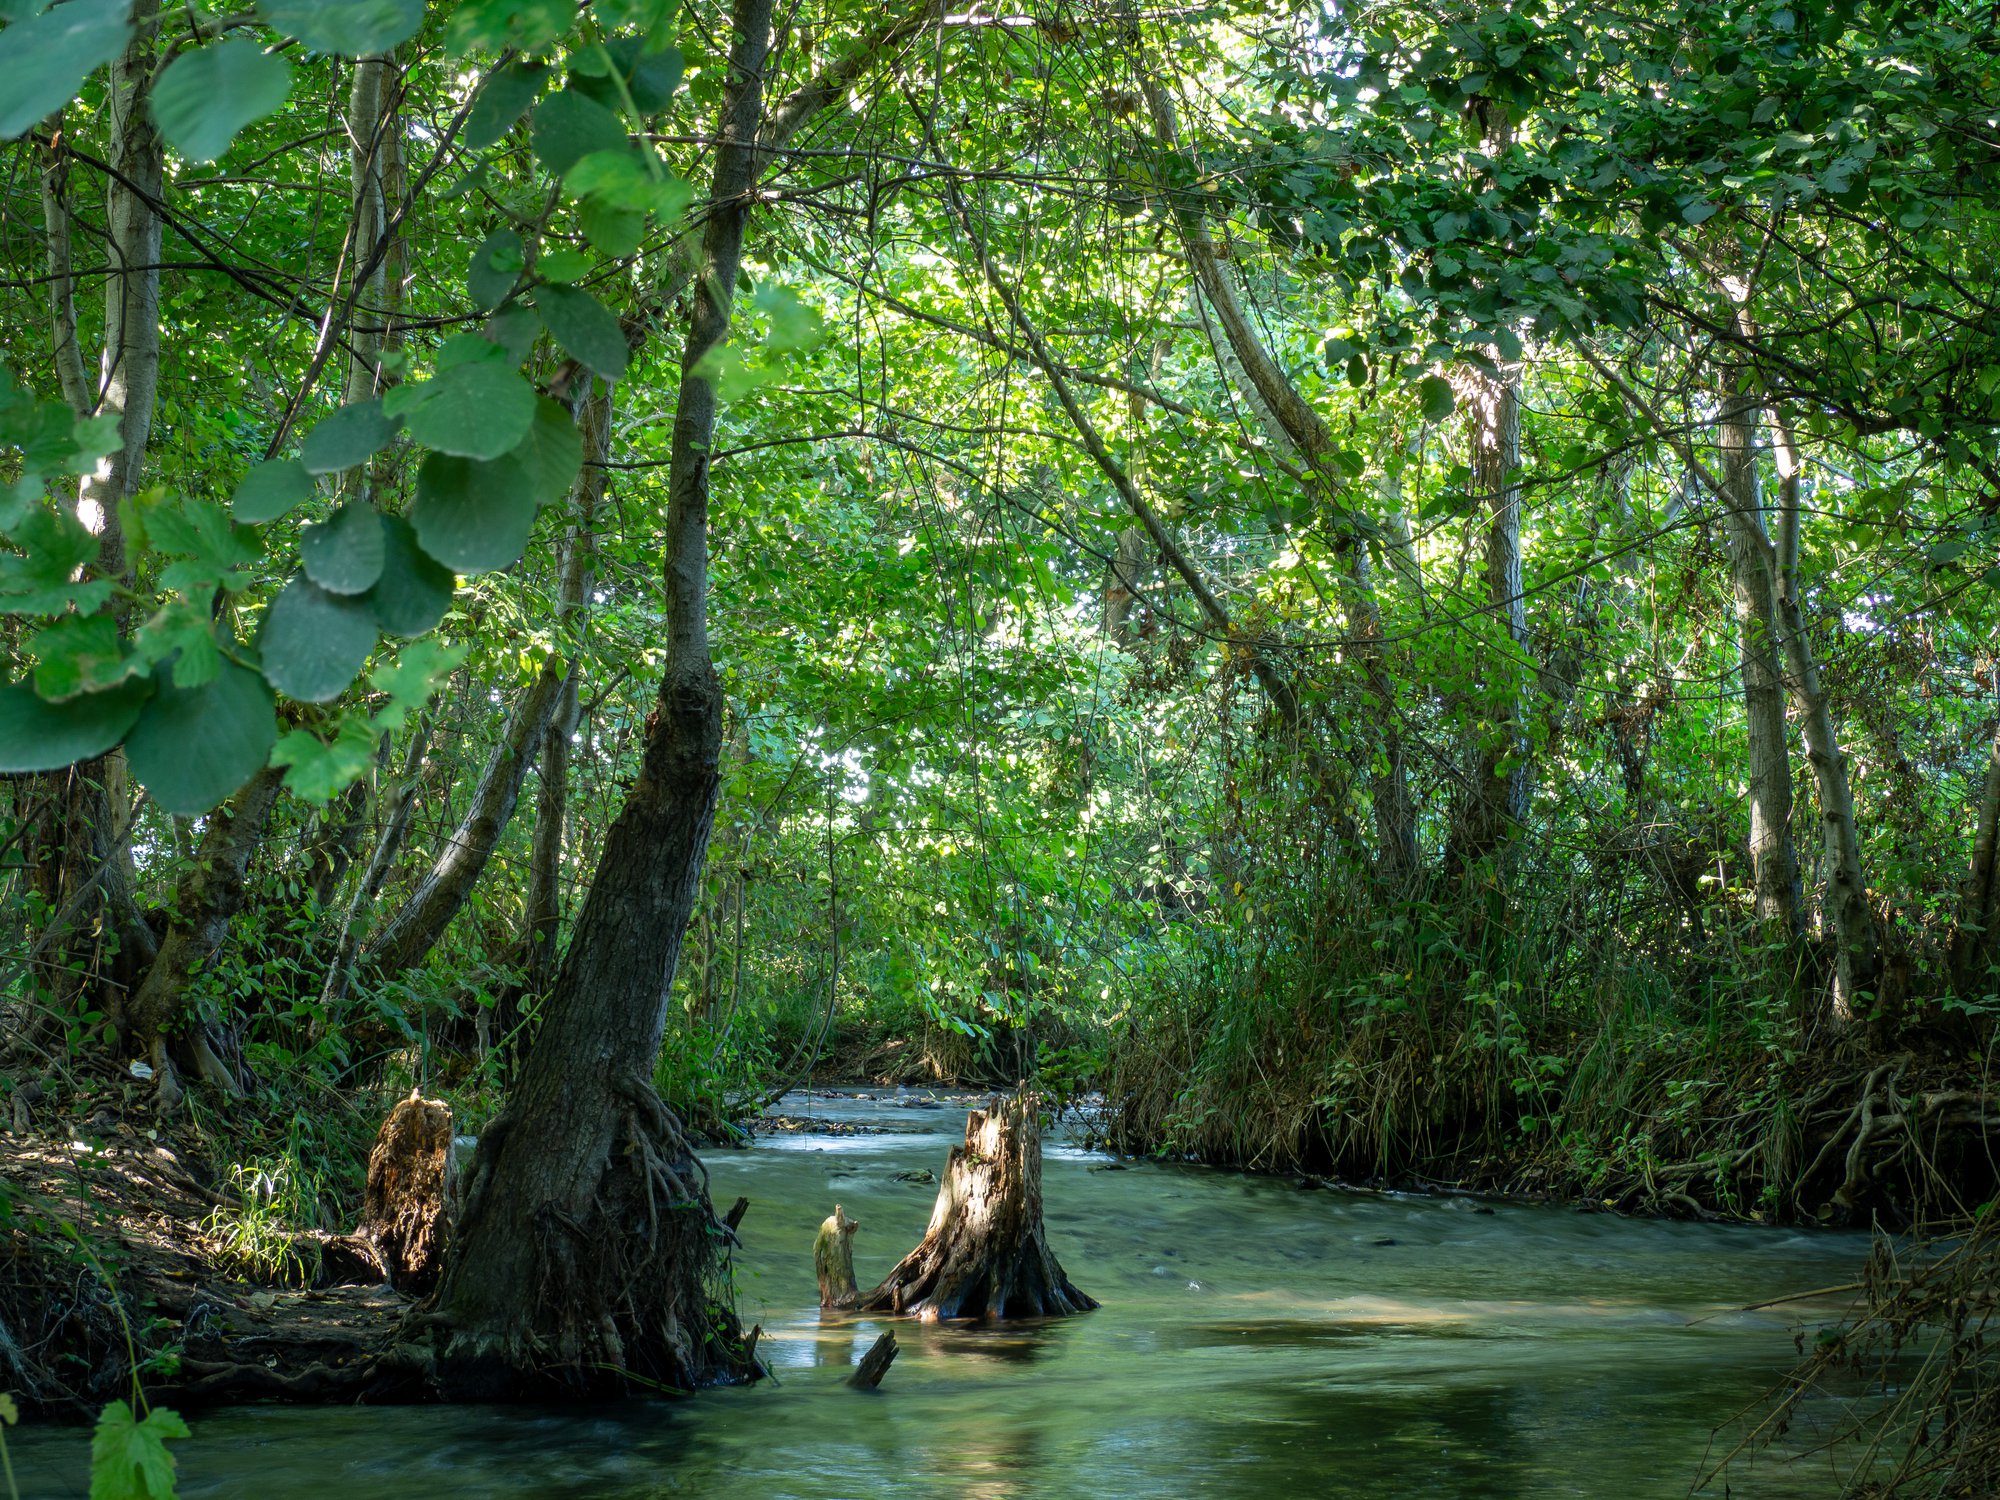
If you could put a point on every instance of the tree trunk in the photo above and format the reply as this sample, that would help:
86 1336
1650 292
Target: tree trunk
1773 858
986 1254
1972 939
407 938
210 893
1497 801
1857 953
406 1206
1292 420
833 1260
588 1243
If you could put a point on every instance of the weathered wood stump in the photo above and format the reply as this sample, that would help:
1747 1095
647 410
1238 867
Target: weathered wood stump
875 1363
833 1259
404 1211
985 1254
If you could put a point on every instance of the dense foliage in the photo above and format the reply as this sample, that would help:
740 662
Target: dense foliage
1405 590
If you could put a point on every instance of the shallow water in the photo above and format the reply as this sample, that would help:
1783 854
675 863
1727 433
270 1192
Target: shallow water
1255 1340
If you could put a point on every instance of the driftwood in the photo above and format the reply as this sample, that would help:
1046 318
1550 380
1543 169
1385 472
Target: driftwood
404 1212
875 1363
985 1254
833 1259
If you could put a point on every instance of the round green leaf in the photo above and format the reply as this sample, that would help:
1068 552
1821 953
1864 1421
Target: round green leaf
479 410
271 489
206 96
313 642
1434 391
192 747
552 452
585 329
39 736
343 554
471 516
353 28
44 59
569 125
496 266
414 590
348 437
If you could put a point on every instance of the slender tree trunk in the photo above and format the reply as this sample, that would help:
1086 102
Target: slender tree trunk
588 1242
406 939
1857 949
211 892
1774 862
397 807
1973 936
1291 418
1497 801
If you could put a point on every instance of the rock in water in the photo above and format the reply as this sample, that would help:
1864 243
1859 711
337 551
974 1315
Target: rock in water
404 1212
986 1254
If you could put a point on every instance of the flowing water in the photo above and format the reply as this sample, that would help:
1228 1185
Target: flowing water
1255 1340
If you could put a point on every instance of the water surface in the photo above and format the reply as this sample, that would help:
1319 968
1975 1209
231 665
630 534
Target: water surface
1255 1340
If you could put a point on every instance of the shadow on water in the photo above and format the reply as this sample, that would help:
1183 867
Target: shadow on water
1255 1341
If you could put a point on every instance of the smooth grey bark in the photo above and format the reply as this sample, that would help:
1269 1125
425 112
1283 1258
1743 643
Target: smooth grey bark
1497 800
371 141
1857 945
1753 576
407 937
1279 402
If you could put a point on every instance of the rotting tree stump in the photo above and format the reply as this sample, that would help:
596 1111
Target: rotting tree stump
986 1255
405 1208
833 1259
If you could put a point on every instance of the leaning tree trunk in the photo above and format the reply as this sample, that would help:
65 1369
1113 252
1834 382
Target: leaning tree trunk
588 1246
986 1254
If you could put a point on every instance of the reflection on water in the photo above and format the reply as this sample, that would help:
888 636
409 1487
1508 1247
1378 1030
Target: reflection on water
1255 1341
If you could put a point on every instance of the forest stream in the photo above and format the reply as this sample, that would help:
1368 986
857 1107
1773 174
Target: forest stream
1255 1340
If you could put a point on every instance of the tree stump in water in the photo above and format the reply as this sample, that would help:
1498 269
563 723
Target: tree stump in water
875 1363
833 1259
403 1211
985 1254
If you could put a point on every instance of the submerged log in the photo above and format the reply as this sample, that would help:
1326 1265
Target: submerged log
410 1179
985 1254
875 1363
833 1259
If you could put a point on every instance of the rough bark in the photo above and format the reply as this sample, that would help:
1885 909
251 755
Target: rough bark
875 1363
1773 856
1292 421
986 1253
833 1259
406 1206
210 893
1973 935
588 1243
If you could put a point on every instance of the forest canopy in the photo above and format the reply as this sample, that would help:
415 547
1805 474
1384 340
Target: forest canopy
1402 590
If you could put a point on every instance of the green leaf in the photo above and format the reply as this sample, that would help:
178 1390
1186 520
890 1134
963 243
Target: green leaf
564 265
496 266
585 329
343 554
313 643
270 490
40 736
417 672
473 517
181 632
319 770
651 69
414 590
617 232
1434 391
206 96
620 178
526 25
569 125
352 28
347 438
56 544
44 59
193 746
503 99
473 411
514 329
79 654
552 452
645 16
